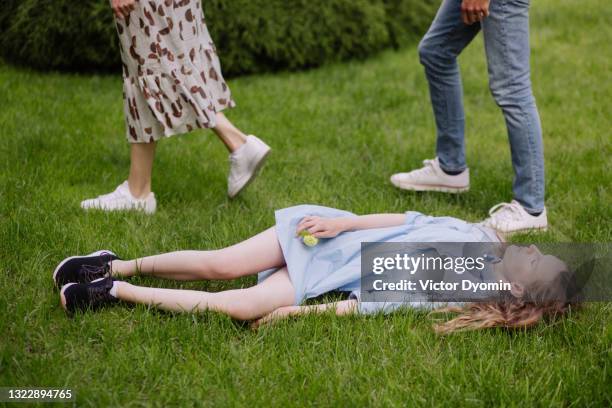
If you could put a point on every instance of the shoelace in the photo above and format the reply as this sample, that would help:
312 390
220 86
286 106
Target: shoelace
506 211
93 272
99 294
428 168
113 195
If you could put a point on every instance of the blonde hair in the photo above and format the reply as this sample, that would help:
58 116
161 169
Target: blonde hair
542 300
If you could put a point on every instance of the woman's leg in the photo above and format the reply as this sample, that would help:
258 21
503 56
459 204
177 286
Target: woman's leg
229 134
242 304
141 167
249 257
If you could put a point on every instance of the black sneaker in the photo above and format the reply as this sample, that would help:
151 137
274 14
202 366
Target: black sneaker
87 296
83 269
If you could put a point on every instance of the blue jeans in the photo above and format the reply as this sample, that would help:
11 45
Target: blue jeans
506 38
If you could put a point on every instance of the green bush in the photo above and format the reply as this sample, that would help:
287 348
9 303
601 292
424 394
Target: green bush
251 35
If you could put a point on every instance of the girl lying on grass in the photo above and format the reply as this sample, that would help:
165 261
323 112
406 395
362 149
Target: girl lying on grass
290 272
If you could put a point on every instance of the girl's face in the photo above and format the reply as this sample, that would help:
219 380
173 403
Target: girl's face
523 266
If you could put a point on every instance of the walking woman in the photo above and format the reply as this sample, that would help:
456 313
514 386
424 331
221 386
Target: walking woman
290 272
172 84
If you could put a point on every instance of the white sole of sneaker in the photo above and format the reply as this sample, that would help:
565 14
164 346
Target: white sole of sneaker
63 297
137 209
427 187
261 160
78 256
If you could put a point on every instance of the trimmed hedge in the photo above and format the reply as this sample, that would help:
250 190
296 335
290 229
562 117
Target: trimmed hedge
251 35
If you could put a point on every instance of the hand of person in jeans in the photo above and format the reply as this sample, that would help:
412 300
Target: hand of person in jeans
473 11
122 8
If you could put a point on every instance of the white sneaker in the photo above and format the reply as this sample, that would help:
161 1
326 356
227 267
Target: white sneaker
512 217
432 178
245 163
121 199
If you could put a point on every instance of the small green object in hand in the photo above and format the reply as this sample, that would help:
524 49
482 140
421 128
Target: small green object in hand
308 239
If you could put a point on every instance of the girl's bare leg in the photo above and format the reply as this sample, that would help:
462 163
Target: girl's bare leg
242 304
249 257
229 134
141 167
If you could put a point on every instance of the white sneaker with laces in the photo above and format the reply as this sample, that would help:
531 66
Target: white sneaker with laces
432 178
245 162
512 218
121 199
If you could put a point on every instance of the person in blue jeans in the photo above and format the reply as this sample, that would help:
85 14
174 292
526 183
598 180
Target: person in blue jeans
505 27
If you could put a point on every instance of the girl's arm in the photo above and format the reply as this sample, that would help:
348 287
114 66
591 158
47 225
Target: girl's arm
342 308
331 227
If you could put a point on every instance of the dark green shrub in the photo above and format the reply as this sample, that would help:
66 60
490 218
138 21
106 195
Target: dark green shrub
59 34
251 35
407 20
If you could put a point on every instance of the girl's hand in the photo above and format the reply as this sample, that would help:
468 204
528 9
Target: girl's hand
278 314
122 8
321 227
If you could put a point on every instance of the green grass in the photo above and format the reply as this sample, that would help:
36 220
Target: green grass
337 133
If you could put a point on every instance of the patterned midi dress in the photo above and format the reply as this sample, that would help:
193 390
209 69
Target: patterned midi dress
172 80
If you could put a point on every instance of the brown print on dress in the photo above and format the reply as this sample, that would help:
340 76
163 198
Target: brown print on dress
189 15
170 22
148 130
192 54
198 89
136 108
168 3
169 55
213 74
131 108
119 28
133 52
133 133
175 111
148 15
161 11
142 23
168 121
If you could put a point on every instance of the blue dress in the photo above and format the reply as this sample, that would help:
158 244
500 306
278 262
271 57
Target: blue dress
335 264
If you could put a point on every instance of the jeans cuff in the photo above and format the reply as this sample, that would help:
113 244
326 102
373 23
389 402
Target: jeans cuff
447 170
530 210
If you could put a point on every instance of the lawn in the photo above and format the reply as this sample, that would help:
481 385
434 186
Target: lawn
338 133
